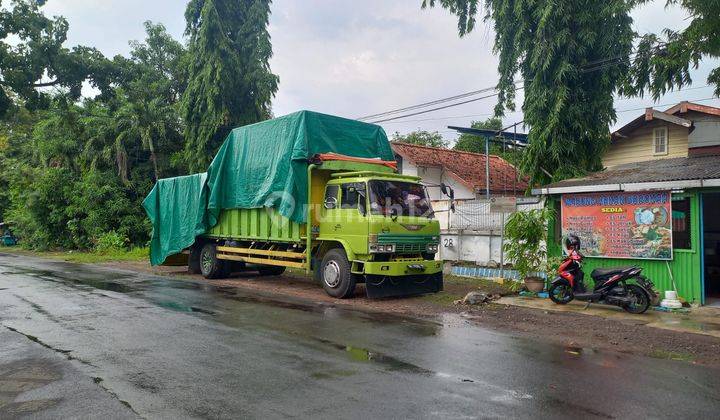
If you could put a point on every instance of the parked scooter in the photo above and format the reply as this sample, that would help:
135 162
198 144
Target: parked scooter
611 284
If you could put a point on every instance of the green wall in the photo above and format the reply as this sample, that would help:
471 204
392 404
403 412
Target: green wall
685 265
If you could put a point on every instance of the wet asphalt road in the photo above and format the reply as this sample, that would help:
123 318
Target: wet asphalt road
79 341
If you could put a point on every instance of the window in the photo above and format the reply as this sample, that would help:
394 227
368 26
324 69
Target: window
400 198
681 223
660 141
331 193
350 195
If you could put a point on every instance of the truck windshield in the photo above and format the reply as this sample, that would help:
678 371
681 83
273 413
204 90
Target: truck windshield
405 198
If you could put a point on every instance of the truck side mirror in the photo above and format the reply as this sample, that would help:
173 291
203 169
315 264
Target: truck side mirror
443 188
330 203
452 193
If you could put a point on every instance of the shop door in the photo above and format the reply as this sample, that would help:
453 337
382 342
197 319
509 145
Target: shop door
711 247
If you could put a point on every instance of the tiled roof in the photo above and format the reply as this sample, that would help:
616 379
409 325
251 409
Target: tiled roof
670 115
466 167
659 170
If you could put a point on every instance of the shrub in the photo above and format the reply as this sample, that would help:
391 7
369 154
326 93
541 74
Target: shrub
525 234
110 241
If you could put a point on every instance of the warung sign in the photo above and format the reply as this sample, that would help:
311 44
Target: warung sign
620 224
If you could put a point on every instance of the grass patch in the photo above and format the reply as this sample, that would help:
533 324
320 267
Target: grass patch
671 355
134 254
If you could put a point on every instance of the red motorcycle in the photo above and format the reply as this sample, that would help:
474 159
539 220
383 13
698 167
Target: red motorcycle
611 284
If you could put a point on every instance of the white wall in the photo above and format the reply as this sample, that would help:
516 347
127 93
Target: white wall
436 176
480 248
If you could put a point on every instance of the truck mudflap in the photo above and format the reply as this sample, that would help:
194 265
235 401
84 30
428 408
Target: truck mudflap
390 286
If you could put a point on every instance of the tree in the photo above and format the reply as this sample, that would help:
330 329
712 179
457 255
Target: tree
37 59
476 144
230 83
560 49
422 138
662 63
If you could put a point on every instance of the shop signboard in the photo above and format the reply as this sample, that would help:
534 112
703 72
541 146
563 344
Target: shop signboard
620 224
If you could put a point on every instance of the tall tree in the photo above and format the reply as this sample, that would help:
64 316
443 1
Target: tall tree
422 138
230 82
663 62
560 50
32 57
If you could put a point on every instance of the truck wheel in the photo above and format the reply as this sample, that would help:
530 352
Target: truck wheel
194 260
337 280
210 266
270 270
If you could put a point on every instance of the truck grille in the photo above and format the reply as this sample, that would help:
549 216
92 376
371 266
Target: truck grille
409 248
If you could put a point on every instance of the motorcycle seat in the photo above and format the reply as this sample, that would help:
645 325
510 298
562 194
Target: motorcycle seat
607 272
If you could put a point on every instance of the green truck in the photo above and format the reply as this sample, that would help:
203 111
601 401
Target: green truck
307 191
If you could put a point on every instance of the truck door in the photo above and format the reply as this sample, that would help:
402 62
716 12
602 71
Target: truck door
345 216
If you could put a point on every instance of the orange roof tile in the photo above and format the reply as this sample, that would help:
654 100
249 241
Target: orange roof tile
466 167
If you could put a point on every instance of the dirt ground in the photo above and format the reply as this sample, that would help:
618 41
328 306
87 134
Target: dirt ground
571 330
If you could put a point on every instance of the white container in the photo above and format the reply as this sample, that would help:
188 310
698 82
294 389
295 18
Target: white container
671 300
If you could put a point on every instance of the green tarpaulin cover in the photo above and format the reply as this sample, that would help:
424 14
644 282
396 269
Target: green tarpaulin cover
259 165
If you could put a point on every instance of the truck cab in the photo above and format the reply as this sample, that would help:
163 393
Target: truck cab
382 226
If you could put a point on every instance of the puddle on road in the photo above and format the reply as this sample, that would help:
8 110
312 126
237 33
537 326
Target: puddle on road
102 281
689 323
358 354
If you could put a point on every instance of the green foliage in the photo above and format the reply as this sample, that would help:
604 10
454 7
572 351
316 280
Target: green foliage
110 242
229 83
422 138
663 62
39 60
73 170
558 48
525 235
73 173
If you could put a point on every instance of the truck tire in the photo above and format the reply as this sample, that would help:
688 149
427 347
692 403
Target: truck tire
210 266
270 270
194 260
337 280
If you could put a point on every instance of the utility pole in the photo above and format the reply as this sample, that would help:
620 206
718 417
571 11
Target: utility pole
487 167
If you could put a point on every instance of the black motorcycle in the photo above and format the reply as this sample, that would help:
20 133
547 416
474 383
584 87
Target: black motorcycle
611 284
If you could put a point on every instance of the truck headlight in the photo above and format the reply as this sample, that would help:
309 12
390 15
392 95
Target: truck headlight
382 248
432 248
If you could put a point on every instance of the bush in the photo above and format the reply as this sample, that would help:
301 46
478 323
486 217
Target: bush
525 233
110 241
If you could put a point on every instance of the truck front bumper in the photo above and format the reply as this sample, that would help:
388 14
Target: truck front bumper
402 268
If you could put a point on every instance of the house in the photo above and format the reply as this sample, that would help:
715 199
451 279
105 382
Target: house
655 203
465 172
470 233
685 130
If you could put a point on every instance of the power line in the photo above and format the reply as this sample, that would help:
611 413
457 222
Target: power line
441 107
590 67
667 104
426 104
486 114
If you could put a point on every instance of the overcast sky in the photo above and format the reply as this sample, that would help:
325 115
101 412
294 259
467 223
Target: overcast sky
354 58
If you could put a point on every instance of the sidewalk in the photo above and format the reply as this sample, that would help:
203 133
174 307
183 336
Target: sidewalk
704 320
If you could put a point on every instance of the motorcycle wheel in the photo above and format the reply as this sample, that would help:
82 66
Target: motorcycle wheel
641 300
561 293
